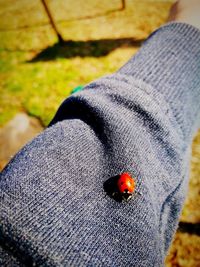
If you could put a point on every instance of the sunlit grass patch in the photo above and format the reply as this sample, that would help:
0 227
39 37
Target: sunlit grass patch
39 87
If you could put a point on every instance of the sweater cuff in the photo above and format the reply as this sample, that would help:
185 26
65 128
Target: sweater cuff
172 68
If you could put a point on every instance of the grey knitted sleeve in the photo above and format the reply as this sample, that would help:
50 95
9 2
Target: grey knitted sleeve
54 210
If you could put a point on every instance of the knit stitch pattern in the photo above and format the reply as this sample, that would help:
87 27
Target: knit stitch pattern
54 210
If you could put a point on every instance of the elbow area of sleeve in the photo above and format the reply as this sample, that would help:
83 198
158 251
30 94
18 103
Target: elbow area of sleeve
54 210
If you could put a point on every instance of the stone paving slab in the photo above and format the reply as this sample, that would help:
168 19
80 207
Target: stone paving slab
25 24
137 20
21 13
67 10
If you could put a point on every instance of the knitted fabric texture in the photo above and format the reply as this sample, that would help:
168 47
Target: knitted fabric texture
54 210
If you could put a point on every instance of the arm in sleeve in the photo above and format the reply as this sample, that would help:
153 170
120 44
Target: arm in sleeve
54 210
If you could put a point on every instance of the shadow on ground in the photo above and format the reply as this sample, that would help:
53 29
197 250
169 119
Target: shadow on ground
97 48
190 228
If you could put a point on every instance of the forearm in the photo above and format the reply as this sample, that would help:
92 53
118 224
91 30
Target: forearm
173 72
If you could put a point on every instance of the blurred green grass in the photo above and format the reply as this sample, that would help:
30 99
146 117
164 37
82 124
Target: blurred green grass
39 87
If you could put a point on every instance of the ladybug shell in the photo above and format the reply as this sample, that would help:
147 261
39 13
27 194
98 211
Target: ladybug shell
126 184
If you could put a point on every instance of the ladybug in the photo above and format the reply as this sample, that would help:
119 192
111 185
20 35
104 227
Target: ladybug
126 186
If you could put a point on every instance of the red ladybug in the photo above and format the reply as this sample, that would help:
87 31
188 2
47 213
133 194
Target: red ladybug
126 185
